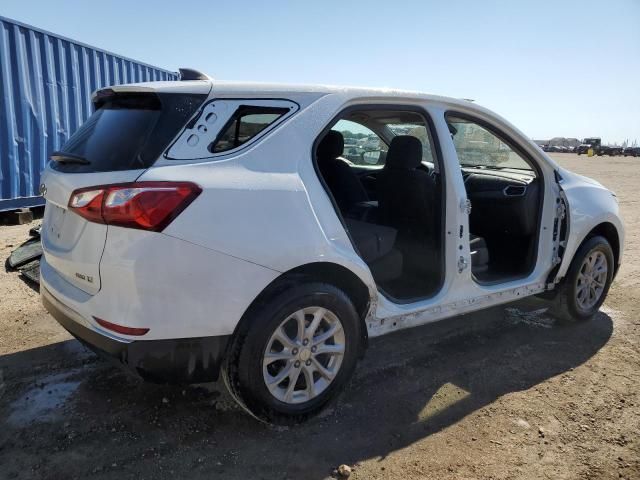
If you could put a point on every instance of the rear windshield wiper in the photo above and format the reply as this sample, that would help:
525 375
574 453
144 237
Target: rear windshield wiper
64 157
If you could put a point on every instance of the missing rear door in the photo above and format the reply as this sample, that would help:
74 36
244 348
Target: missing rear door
381 167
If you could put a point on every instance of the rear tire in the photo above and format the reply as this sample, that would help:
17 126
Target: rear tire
585 287
276 369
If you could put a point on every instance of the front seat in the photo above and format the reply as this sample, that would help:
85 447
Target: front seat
338 175
405 192
479 254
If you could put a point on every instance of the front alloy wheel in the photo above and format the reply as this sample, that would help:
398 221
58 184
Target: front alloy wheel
587 282
591 280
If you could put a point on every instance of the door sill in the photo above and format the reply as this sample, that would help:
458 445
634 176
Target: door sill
500 279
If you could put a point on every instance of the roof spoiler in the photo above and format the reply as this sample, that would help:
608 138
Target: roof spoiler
192 74
104 93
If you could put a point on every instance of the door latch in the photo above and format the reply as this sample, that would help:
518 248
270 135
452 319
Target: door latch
462 264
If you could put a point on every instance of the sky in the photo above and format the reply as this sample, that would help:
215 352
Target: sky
552 67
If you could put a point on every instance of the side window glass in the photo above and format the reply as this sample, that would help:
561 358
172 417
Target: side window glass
476 146
224 126
247 122
361 145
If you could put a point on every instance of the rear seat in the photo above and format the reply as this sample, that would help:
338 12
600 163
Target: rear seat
375 245
373 241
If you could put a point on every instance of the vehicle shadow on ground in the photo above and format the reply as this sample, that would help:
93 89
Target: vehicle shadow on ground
412 384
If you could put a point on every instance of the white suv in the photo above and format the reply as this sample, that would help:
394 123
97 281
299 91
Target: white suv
198 228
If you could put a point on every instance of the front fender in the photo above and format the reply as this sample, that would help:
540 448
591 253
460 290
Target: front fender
590 204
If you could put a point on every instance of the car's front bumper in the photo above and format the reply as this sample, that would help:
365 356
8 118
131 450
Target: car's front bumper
181 360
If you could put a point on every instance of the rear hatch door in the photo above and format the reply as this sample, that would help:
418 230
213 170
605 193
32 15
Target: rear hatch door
124 136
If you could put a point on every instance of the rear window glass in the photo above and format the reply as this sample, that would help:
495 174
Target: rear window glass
128 131
246 123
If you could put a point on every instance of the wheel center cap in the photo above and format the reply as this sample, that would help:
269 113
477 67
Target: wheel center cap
305 354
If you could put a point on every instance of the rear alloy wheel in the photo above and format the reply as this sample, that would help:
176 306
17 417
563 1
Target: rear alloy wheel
294 353
304 355
587 282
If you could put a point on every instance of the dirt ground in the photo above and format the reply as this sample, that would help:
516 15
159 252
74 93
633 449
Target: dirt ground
501 394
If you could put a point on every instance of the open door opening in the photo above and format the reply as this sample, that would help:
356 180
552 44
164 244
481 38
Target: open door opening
504 188
381 168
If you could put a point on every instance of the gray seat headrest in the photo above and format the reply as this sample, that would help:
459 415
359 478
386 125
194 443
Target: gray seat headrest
405 153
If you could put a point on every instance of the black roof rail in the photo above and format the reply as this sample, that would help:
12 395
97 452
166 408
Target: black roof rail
192 74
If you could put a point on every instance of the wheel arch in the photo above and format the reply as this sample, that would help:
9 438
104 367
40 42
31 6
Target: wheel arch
325 272
609 231
605 229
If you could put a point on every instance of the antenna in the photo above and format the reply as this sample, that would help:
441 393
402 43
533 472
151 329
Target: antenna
192 74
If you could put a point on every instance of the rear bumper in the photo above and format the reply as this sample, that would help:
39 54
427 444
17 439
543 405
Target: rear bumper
181 360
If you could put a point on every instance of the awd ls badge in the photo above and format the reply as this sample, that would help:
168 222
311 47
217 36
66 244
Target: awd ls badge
87 278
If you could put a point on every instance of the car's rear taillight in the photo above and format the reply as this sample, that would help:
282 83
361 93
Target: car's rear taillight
144 205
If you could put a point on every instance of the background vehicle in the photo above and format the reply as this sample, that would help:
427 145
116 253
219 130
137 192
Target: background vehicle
631 151
612 151
192 229
587 143
598 149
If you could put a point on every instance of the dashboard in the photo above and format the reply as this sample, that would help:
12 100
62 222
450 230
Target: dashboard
503 201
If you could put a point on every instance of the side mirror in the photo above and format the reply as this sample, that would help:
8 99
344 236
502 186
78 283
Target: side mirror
371 157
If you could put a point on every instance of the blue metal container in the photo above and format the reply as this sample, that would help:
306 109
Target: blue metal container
46 82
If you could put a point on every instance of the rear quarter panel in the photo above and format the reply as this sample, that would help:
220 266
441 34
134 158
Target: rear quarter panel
175 287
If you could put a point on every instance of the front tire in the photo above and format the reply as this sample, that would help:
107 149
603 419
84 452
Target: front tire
296 353
585 287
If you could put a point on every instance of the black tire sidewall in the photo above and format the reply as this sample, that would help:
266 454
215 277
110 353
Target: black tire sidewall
593 244
250 382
